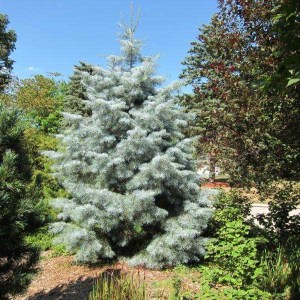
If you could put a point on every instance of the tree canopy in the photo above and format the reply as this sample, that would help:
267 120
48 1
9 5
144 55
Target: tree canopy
253 133
8 39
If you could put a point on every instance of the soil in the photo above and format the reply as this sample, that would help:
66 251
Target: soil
59 278
216 184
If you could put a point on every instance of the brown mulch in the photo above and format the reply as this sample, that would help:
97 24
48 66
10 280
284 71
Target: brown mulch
216 184
59 278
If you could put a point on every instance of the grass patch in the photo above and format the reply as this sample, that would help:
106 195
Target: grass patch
119 286
43 241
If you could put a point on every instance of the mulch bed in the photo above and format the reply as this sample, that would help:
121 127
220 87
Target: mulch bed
59 278
216 184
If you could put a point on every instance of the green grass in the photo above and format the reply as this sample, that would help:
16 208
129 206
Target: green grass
281 272
119 286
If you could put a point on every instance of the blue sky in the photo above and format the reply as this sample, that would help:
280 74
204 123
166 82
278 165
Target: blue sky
53 35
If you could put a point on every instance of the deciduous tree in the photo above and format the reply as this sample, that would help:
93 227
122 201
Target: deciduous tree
8 39
254 134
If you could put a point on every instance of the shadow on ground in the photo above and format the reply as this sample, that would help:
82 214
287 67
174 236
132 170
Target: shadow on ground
76 290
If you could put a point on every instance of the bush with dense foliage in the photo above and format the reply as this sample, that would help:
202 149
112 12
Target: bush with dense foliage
246 261
233 254
279 224
228 206
19 215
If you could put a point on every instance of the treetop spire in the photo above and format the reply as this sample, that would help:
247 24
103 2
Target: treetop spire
130 46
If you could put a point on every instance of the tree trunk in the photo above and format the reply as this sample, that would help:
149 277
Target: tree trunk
212 167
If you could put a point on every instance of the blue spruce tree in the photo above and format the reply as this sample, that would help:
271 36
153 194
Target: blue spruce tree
128 169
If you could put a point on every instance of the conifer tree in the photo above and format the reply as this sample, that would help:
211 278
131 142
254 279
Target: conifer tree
17 259
128 169
76 95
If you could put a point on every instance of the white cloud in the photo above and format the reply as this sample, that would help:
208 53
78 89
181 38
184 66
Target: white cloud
32 69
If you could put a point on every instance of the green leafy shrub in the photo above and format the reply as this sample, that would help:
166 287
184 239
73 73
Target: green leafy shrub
235 255
228 292
119 286
228 206
43 240
233 269
279 224
233 251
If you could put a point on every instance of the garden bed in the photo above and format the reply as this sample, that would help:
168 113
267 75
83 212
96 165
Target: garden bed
60 278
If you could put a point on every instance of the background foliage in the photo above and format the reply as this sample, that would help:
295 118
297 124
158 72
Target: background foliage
8 39
252 132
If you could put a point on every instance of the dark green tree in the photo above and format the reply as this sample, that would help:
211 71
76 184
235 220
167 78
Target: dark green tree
17 213
7 45
77 94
